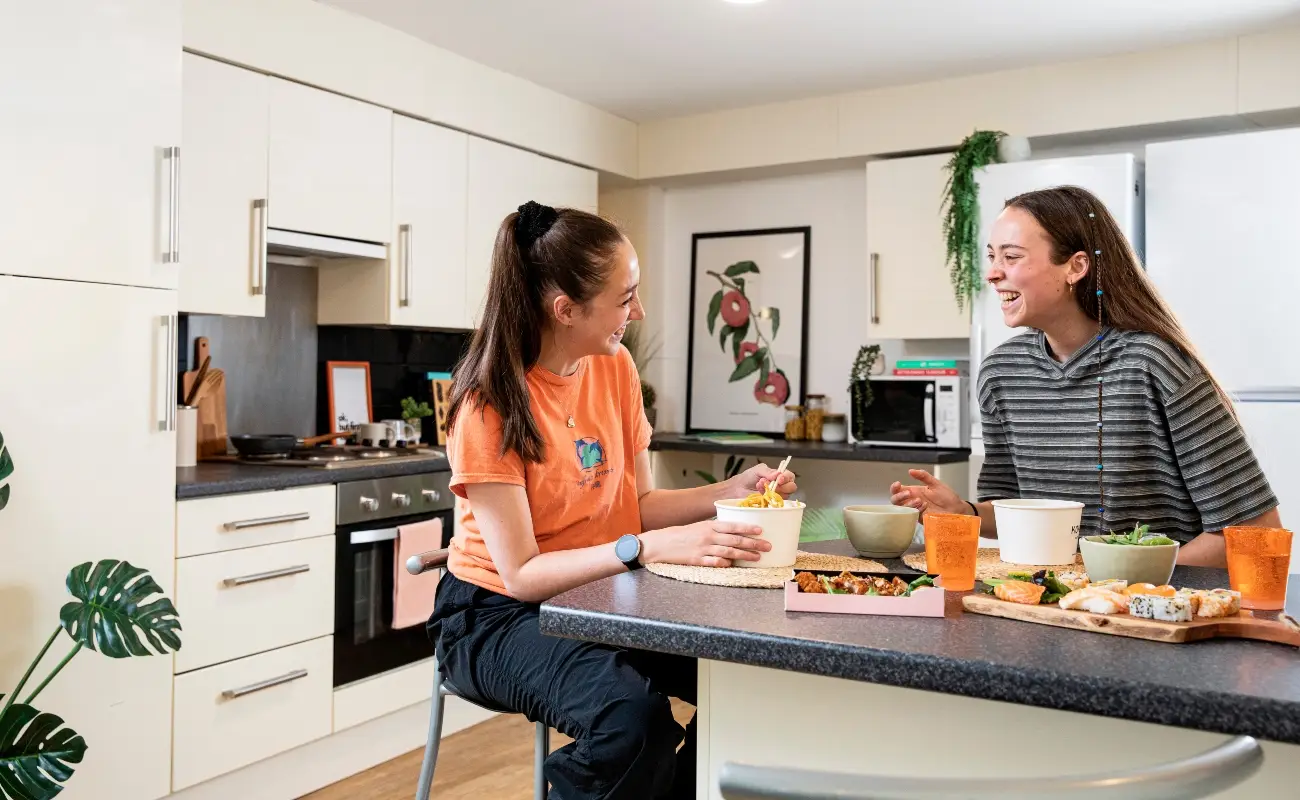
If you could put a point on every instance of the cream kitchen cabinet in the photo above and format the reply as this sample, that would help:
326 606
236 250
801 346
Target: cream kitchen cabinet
909 295
501 179
89 365
423 282
90 95
224 197
331 164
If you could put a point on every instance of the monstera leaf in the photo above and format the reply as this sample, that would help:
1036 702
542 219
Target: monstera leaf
6 469
113 609
36 753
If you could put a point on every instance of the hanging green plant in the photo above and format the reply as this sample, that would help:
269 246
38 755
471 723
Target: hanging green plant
961 211
860 386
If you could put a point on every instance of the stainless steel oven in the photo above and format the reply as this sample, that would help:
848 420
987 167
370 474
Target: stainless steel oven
369 514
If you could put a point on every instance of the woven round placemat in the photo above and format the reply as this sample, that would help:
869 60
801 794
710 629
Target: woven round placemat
989 564
762 577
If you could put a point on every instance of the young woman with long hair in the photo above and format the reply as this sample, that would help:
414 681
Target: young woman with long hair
1105 402
548 448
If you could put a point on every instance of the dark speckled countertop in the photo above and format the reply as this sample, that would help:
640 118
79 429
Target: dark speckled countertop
212 478
1224 686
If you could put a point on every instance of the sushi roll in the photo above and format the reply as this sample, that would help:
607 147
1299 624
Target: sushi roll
1171 609
1192 596
1074 580
1233 596
1113 584
1142 605
1214 605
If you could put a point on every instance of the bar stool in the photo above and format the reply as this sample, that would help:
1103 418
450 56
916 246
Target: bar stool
1198 776
442 688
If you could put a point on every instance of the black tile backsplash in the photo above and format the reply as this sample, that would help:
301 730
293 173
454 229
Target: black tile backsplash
400 360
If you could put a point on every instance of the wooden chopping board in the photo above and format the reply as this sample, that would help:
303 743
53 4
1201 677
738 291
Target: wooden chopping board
1243 625
441 390
211 402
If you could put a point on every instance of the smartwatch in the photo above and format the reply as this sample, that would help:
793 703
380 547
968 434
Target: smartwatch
628 550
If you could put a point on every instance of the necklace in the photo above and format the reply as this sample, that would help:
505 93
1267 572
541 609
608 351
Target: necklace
577 385
1101 486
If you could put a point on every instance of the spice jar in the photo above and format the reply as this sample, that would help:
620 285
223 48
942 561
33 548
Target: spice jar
794 427
835 428
813 416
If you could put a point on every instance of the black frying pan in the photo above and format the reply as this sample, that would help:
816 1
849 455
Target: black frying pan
276 444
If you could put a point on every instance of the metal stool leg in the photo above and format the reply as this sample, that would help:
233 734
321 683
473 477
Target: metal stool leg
435 738
540 751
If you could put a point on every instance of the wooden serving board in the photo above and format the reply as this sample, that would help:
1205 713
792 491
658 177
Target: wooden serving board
211 402
1243 625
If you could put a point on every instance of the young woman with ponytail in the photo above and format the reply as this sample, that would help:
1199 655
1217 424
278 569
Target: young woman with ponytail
1105 401
548 440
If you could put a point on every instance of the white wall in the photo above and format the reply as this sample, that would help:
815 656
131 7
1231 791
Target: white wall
833 204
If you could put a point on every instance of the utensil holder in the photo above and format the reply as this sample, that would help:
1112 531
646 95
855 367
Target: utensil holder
187 436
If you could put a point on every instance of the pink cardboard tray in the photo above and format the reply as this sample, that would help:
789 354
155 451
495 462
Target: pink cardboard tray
921 603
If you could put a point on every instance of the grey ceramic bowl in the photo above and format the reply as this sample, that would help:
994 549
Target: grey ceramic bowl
882 531
1128 562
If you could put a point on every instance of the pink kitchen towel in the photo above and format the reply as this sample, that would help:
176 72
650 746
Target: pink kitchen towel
413 594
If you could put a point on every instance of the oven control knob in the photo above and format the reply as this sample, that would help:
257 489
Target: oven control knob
369 504
401 500
431 495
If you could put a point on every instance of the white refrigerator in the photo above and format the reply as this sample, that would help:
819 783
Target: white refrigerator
1117 179
1223 233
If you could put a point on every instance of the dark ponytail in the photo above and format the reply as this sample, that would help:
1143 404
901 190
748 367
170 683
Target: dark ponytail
539 251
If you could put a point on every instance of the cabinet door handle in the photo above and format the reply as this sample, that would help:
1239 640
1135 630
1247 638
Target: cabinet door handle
231 694
258 577
239 525
259 248
168 421
874 288
173 254
404 298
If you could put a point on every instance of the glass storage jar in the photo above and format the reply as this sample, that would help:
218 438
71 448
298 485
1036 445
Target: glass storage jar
794 427
834 428
813 416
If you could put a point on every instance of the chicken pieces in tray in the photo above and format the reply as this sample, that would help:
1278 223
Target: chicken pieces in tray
848 583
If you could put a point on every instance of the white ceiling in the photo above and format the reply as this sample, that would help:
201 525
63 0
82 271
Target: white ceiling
645 59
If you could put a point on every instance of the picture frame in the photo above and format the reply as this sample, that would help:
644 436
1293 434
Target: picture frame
348 386
747 352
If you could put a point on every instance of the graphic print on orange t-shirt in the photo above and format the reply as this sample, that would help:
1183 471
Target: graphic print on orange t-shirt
583 493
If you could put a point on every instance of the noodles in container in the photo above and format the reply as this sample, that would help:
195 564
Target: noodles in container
779 518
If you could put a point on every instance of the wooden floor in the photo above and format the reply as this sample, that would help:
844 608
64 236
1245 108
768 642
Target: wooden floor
493 759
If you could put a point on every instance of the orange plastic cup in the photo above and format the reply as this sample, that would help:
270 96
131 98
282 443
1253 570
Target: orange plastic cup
952 542
1259 564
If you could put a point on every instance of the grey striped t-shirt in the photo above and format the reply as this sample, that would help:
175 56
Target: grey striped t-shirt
1174 457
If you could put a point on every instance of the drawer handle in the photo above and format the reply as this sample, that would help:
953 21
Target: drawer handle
261 521
266 576
231 694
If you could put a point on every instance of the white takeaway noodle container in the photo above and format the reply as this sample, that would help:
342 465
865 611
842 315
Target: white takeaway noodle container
780 527
1038 531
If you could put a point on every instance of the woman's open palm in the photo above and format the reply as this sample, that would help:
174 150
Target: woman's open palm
930 494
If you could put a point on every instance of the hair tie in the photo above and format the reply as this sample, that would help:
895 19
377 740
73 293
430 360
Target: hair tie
533 222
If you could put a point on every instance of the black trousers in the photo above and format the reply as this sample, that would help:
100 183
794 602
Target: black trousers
612 701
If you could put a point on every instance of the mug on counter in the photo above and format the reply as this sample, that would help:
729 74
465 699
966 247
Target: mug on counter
390 430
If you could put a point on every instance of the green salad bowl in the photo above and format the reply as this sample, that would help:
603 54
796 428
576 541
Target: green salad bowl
1151 563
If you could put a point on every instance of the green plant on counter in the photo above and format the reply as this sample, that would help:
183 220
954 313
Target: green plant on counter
730 470
113 607
643 348
413 410
860 386
961 210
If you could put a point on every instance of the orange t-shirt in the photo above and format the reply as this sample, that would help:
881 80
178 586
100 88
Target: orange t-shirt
584 492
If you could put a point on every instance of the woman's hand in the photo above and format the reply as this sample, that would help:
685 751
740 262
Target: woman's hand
706 544
933 494
755 479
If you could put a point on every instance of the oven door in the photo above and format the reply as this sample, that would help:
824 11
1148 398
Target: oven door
365 643
902 412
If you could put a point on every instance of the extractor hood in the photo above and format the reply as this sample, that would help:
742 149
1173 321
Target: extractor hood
299 249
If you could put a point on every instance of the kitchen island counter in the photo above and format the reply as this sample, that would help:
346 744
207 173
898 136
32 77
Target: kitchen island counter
213 478
745 637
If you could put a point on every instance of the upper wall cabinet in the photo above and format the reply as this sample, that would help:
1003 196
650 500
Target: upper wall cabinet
90 98
224 197
331 164
423 282
501 179
909 295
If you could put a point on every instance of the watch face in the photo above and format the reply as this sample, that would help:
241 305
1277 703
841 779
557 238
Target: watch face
627 547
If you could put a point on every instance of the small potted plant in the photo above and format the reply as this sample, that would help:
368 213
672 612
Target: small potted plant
642 349
413 413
